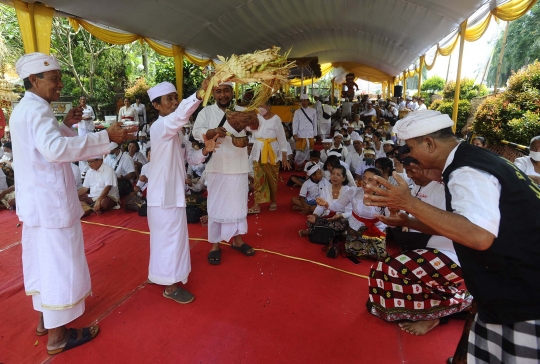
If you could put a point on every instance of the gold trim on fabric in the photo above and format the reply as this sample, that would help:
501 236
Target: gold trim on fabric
31 293
65 307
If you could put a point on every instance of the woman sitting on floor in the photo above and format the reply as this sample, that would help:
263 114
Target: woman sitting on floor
331 192
333 160
419 285
310 190
365 236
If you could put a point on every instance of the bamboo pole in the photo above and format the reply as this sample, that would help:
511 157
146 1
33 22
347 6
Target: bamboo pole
501 56
487 67
458 76
448 68
405 83
332 91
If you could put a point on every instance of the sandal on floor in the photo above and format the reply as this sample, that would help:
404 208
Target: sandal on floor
214 257
42 333
253 211
180 295
244 249
73 342
273 207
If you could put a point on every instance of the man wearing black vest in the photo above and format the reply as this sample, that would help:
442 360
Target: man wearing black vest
492 215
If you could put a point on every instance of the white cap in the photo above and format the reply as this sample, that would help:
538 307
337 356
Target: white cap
226 84
357 137
369 151
33 63
304 97
313 169
419 123
337 133
97 157
346 138
327 141
388 142
408 98
113 145
315 93
337 154
142 133
161 89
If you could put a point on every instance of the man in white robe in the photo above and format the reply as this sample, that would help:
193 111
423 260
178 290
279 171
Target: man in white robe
170 261
304 131
226 177
54 264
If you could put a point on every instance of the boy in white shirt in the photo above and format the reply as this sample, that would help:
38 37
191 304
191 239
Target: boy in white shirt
310 190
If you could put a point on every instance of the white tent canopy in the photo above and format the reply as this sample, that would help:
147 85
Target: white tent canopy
387 35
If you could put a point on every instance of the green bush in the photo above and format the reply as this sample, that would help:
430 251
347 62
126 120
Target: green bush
434 84
427 98
514 114
464 109
467 91
435 104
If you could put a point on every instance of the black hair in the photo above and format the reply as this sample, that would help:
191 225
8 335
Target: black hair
315 154
385 163
442 134
377 134
7 145
409 160
148 150
136 145
332 160
373 170
157 100
343 173
482 140
28 84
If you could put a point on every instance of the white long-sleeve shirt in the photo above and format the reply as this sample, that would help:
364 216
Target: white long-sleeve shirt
124 114
355 197
45 185
269 129
141 112
167 176
87 124
305 127
326 194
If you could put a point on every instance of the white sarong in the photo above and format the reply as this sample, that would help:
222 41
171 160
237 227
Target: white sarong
324 128
55 270
169 245
227 205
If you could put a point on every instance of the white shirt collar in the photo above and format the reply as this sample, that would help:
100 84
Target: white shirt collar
450 157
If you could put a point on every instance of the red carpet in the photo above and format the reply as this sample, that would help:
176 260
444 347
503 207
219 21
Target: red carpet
264 309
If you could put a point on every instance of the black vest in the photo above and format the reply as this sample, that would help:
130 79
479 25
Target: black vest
504 279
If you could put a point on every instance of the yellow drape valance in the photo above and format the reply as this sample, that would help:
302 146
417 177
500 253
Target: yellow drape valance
363 71
35 22
509 11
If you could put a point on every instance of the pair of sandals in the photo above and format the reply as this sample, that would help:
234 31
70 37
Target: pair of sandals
251 211
72 342
214 257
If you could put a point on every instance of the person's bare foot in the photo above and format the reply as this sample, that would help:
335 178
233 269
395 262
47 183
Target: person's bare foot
418 327
297 208
204 220
303 233
40 329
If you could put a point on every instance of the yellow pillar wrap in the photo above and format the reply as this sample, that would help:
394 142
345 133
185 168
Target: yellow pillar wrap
178 54
422 61
458 76
404 83
236 94
332 91
35 22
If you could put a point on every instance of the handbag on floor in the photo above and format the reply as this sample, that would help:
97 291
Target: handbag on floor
321 235
133 203
407 240
193 214
365 246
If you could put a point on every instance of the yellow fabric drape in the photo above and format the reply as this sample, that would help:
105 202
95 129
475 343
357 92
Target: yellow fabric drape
108 36
35 22
363 71
325 68
430 66
267 152
475 32
513 9
178 54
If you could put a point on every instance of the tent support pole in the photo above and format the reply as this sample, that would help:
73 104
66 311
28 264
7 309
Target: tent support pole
501 56
422 60
458 76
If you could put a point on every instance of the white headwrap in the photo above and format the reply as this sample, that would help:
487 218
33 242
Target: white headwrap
327 141
161 89
142 133
338 133
312 170
113 145
419 123
357 137
369 151
97 157
315 93
389 142
34 63
334 153
226 84
346 138
304 97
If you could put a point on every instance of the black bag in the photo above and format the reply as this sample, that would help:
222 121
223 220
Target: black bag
193 214
332 250
325 115
133 203
124 187
407 240
143 210
321 235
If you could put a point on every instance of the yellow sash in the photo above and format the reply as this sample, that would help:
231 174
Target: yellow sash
267 151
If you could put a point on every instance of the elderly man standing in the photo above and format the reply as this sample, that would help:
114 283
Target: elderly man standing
54 265
304 131
492 217
169 241
226 176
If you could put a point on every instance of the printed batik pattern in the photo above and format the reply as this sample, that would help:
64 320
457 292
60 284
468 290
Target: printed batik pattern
421 284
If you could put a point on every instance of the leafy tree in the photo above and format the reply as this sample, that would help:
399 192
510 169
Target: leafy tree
433 84
11 46
193 76
467 91
522 46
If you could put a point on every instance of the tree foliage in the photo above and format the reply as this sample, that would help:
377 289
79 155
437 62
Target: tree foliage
11 46
433 84
467 90
514 114
522 46
193 75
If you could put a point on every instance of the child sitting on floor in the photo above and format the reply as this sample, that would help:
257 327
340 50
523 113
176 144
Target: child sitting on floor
310 190
314 159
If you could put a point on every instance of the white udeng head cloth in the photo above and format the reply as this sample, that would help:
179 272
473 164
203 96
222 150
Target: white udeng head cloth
161 89
420 123
313 170
226 84
34 63
304 97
